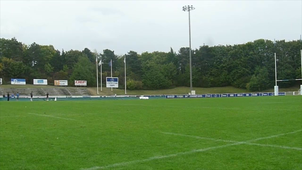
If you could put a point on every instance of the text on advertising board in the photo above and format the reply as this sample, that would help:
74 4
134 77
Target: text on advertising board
112 82
80 83
61 83
18 81
40 82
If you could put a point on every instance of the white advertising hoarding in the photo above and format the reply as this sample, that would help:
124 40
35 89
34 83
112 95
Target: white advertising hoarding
112 82
40 81
18 81
80 83
61 83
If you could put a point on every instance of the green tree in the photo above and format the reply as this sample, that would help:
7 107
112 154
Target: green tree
237 65
153 77
107 56
61 75
11 49
84 70
134 66
12 69
72 57
58 61
89 54
259 80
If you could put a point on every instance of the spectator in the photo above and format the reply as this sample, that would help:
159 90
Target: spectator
31 96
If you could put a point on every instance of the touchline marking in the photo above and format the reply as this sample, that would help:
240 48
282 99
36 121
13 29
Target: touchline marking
199 107
247 142
198 137
275 136
188 152
160 157
206 107
11 116
51 116
274 146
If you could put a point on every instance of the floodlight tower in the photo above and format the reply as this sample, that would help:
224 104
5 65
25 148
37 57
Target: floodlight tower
189 8
276 88
301 59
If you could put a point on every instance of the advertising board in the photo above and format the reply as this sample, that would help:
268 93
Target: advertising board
80 83
40 81
112 82
61 83
18 81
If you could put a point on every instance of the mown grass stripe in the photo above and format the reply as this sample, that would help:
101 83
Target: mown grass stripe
51 116
189 152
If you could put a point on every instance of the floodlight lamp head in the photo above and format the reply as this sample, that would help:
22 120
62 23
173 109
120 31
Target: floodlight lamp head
184 8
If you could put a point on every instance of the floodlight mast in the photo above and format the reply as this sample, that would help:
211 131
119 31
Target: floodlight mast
301 51
301 72
101 72
97 77
276 79
276 88
189 8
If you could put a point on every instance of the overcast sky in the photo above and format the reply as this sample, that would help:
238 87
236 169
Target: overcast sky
144 25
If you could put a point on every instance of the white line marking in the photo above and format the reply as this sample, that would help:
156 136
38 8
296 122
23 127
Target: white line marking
11 116
274 146
51 116
199 107
186 153
247 142
159 157
275 136
198 137
206 107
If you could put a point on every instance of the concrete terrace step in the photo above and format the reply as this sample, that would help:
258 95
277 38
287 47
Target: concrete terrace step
41 91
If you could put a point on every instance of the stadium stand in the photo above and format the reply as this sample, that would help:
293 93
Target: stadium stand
54 91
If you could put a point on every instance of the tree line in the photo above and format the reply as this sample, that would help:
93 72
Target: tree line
249 66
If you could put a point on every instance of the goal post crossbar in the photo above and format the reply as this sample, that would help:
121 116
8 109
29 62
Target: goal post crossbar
290 80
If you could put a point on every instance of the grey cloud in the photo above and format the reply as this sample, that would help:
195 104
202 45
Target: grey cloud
147 25
106 11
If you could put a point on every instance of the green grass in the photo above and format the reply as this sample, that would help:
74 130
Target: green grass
153 134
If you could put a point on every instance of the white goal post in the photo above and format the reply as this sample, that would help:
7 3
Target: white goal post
276 88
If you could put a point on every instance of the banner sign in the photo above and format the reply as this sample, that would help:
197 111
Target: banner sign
40 82
0 81
112 82
222 95
18 81
80 83
61 83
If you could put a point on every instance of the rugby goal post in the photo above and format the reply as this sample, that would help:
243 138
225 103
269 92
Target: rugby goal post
276 88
